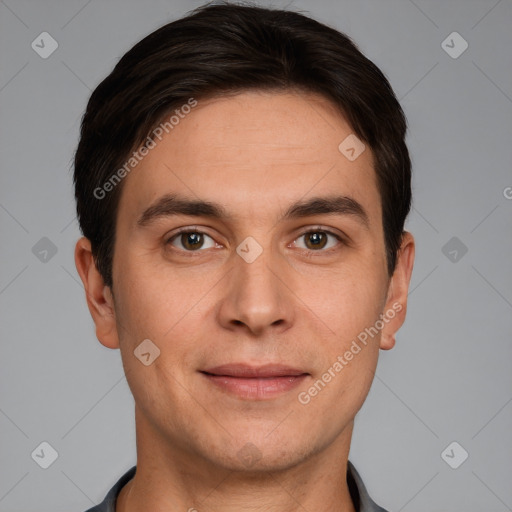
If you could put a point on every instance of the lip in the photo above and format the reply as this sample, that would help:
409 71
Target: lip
247 371
255 382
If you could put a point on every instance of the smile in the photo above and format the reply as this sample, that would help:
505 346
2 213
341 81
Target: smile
255 383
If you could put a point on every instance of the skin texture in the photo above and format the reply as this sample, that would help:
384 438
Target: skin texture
255 154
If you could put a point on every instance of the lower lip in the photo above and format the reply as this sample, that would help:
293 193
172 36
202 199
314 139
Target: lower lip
257 388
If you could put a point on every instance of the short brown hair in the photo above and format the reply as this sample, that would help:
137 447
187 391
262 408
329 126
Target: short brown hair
224 48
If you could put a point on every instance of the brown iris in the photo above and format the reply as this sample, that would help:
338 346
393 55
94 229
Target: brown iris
317 239
192 241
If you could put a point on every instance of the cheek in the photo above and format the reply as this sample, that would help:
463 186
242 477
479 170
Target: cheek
160 304
348 310
345 302
152 307
139 309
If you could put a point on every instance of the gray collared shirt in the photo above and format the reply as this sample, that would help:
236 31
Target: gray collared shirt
358 493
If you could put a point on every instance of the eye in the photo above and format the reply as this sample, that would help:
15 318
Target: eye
318 239
191 241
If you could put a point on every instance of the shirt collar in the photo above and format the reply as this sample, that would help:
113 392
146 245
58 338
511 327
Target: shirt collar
358 492
357 489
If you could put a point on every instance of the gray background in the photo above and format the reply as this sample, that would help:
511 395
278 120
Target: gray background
448 379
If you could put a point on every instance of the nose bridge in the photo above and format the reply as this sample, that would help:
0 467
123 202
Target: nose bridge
258 276
256 296
254 270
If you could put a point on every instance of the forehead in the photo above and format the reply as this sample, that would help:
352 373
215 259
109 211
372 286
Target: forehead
255 151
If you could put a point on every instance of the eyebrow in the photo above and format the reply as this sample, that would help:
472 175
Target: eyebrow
174 204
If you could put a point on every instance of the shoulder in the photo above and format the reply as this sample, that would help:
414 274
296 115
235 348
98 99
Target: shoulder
109 503
360 497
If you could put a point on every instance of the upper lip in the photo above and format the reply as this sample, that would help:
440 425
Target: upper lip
247 371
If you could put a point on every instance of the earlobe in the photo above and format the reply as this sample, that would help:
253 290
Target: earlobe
396 303
99 296
387 341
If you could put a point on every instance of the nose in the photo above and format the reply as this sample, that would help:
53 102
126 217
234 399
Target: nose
257 297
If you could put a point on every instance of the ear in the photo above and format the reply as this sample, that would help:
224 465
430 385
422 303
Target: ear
396 301
99 296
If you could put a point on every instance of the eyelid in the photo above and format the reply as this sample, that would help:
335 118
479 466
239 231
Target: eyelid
187 229
341 237
330 231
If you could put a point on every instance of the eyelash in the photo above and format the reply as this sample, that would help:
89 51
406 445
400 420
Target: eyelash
309 252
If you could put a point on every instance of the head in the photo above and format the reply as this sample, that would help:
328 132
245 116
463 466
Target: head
242 182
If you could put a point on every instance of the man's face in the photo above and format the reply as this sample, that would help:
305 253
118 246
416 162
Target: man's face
210 299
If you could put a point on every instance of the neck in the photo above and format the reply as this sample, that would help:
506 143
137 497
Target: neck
172 478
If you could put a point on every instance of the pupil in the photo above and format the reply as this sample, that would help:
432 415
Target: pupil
317 239
193 240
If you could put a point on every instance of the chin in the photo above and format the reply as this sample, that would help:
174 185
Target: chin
258 454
